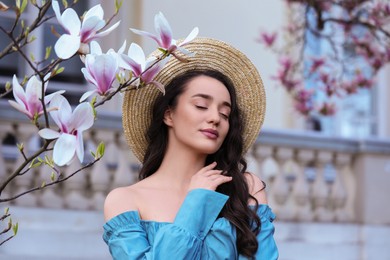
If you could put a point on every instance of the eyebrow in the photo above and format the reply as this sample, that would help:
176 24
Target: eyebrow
205 96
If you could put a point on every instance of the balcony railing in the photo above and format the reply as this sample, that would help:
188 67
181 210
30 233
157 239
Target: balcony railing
309 176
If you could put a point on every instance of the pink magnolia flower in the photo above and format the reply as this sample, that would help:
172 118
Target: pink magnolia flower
100 70
72 125
29 101
327 109
79 33
317 63
164 35
267 38
144 69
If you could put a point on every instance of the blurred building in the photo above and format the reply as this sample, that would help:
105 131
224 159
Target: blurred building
328 187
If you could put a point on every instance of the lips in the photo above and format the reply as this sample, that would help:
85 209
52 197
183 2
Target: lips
210 133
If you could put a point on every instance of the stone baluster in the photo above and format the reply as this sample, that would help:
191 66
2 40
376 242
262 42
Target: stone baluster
320 195
75 187
123 175
261 154
343 189
264 154
253 165
301 189
100 175
280 191
25 181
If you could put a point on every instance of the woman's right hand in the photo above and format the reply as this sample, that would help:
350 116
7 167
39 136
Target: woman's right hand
208 178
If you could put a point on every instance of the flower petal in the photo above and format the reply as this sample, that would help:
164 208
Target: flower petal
106 32
128 63
95 48
71 21
163 29
56 9
49 134
62 112
103 70
80 146
48 98
136 53
66 46
64 149
97 11
88 76
147 34
33 95
20 108
90 27
149 74
82 118
190 37
87 94
18 91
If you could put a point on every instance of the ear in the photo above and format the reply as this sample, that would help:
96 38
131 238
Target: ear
168 117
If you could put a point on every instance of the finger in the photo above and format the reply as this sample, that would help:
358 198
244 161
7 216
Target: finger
209 167
222 179
212 172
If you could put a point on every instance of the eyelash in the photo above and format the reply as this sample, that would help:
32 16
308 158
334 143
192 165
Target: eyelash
204 108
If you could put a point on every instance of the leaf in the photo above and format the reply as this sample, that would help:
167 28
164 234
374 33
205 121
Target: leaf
52 176
43 184
65 3
32 57
100 150
48 51
118 5
17 3
20 146
93 102
49 161
23 7
6 211
93 154
15 228
58 71
34 163
32 38
24 80
7 86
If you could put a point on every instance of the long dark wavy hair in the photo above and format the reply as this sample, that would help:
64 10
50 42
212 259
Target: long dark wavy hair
229 158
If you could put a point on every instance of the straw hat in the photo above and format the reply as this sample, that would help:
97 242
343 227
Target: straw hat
209 54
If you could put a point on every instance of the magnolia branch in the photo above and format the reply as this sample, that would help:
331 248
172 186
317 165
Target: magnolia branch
23 165
59 180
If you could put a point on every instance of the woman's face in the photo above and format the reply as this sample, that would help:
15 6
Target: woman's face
200 120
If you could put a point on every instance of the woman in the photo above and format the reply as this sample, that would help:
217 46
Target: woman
194 199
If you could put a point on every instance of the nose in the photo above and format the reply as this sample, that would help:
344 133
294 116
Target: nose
214 116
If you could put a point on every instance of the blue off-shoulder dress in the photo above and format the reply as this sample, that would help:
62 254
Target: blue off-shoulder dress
196 233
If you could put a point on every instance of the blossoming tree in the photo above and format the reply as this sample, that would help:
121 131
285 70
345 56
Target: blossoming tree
355 38
110 73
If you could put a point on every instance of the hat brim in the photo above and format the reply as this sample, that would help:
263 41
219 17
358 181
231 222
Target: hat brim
210 54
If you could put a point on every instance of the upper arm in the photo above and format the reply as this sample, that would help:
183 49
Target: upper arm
256 186
119 201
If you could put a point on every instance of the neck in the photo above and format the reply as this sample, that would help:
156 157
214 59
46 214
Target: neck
178 166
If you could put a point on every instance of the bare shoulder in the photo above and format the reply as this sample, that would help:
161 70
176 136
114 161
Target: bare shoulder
256 188
119 201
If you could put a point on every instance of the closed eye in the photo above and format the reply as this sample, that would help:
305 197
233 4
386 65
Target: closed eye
200 107
224 116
